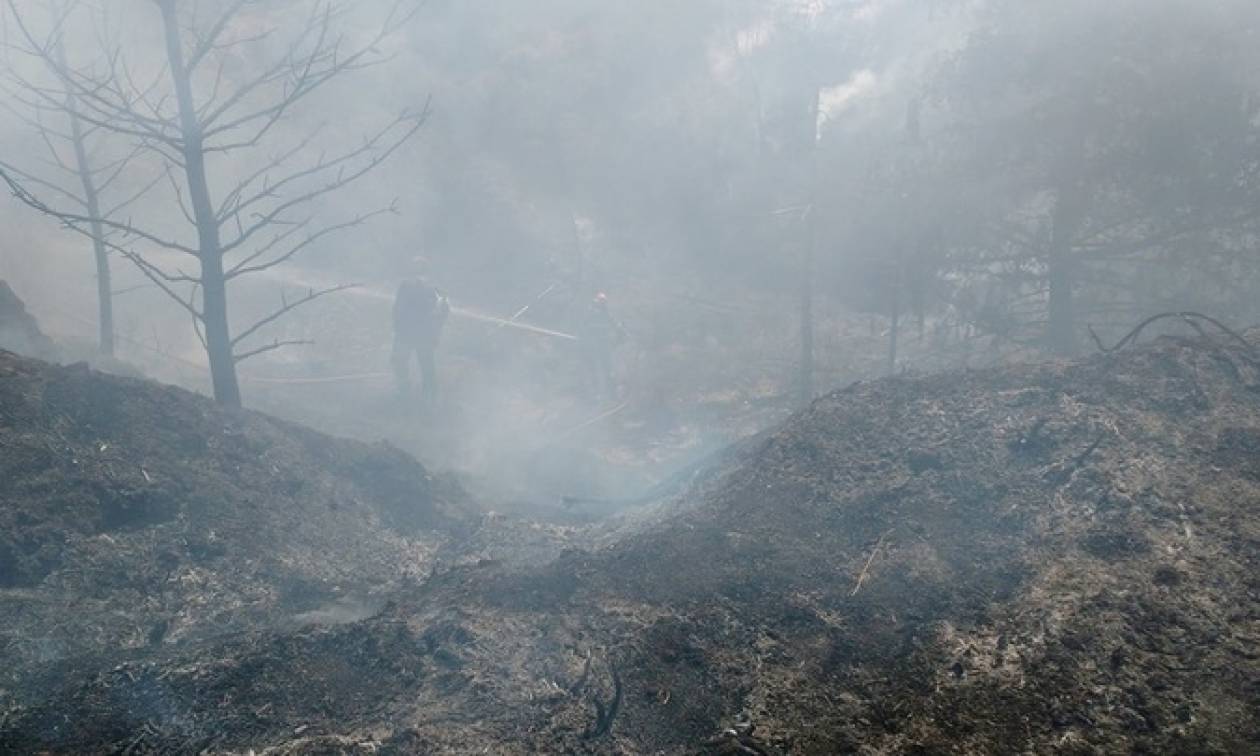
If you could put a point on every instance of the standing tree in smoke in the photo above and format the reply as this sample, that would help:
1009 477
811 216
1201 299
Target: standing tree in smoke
199 110
78 168
1115 143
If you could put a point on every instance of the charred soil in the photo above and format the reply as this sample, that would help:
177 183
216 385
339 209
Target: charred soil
135 516
1058 558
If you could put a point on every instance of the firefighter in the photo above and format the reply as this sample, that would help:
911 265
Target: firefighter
420 312
599 334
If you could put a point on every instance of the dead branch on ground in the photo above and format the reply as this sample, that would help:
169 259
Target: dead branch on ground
869 561
1189 318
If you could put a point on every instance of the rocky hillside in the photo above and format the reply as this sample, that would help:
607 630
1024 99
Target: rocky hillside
1061 558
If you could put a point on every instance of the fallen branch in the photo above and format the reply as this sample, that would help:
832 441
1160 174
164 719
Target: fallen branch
1064 474
867 567
1188 318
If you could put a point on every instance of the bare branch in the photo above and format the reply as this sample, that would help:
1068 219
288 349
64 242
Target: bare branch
111 212
233 198
244 267
33 123
52 150
179 198
27 198
112 109
141 94
158 277
50 186
209 40
115 169
324 62
129 289
287 307
342 179
239 358
265 249
196 322
214 91
284 68
103 113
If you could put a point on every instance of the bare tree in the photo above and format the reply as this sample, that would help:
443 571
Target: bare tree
190 115
76 167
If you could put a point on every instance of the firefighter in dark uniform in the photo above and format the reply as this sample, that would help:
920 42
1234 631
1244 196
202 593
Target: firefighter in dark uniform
420 312
599 334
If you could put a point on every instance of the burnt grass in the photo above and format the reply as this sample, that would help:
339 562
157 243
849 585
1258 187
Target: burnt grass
135 516
1060 558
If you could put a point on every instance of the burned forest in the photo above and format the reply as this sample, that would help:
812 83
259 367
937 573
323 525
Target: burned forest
593 377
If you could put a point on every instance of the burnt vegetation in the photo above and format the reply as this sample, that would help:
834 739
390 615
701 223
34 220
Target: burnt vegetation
844 376
842 598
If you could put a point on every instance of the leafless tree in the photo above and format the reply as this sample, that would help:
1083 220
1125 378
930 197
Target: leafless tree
77 167
195 111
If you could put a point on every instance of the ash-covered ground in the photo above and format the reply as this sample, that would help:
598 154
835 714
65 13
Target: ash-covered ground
1062 558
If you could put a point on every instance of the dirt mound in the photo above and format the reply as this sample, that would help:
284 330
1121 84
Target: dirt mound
1060 558
134 515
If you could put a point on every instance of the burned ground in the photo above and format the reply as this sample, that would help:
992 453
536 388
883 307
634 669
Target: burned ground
1054 558
136 516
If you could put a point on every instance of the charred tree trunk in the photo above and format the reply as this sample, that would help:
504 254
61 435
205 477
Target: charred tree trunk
91 200
894 328
806 383
104 284
209 247
1060 275
805 387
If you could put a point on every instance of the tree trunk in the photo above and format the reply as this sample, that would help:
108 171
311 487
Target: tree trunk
1061 331
218 337
213 284
806 386
104 292
104 285
894 328
91 198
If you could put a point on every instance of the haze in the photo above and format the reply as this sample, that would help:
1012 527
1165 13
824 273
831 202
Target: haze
641 232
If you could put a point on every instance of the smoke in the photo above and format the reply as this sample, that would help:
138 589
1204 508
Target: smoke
698 163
